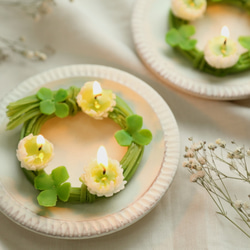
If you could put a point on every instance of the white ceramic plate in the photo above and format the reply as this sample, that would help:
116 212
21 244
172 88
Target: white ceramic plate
76 140
149 27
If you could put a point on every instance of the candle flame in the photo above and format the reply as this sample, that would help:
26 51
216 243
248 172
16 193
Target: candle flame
102 157
40 140
97 89
225 31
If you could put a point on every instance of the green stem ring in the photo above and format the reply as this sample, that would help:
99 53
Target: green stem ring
196 57
26 111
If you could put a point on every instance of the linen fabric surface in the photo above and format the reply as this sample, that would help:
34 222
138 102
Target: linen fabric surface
99 32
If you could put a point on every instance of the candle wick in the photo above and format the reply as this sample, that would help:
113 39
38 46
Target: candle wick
103 168
225 42
97 95
223 47
40 148
97 105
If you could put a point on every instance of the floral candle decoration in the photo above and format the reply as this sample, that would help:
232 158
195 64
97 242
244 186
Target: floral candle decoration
95 101
103 176
189 9
34 152
221 52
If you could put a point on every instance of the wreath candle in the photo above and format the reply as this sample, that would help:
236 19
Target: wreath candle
103 176
189 9
221 52
35 152
94 101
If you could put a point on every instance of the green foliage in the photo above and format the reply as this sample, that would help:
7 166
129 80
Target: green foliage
53 102
181 37
133 132
245 42
52 186
123 138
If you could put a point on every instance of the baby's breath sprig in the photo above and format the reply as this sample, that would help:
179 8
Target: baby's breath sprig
8 46
217 168
34 8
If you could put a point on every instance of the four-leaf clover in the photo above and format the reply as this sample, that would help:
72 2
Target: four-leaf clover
133 132
181 37
52 103
52 187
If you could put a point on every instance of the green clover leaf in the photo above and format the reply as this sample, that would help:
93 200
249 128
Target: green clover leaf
142 137
188 44
59 175
52 103
187 30
181 37
47 198
123 138
53 186
47 107
63 191
133 132
245 42
61 95
134 123
173 37
61 109
44 94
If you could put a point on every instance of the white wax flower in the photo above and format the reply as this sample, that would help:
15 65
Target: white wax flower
189 9
31 155
97 106
215 56
103 181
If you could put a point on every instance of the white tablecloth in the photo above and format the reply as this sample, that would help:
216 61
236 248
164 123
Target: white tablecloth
99 32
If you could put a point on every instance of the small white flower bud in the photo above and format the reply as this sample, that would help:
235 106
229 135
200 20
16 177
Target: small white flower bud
230 155
29 54
189 154
199 167
40 55
185 164
246 205
221 143
212 146
194 177
197 146
202 160
200 173
237 204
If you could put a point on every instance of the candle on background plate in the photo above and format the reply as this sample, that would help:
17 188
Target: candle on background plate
95 101
34 152
222 52
189 9
103 176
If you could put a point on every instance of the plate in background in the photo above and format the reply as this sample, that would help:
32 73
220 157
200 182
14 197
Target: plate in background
149 27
